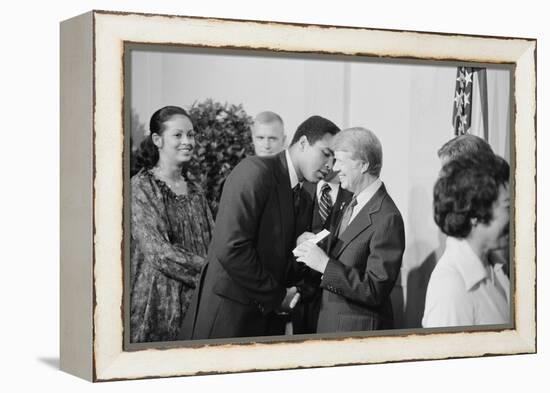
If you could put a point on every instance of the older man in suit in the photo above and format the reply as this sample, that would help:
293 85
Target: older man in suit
366 246
327 198
250 265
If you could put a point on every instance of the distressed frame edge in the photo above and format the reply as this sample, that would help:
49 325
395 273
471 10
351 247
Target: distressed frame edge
525 132
76 208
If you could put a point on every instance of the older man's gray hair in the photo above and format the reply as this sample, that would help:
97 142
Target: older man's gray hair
363 144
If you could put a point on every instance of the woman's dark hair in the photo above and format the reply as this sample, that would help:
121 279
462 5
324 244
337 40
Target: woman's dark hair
147 154
467 188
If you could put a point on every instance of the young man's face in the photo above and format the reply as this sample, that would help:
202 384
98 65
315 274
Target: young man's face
268 138
316 159
332 175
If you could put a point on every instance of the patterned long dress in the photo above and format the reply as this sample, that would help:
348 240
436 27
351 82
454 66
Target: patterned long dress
169 240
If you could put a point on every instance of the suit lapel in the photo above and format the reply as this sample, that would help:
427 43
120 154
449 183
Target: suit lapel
359 224
305 212
342 200
284 194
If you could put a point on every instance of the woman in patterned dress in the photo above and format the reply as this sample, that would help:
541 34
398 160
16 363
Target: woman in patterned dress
171 227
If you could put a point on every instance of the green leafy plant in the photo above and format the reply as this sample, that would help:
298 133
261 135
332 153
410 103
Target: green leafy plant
223 139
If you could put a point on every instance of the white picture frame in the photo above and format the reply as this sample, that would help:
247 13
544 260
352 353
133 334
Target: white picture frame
92 190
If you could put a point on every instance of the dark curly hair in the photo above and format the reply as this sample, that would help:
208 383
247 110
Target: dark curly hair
467 188
148 155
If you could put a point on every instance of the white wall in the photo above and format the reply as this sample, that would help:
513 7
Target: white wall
409 107
289 86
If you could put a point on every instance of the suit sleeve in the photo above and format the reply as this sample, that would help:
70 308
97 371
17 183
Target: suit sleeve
244 198
371 287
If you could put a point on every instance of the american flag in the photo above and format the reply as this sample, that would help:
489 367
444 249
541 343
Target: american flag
462 109
470 114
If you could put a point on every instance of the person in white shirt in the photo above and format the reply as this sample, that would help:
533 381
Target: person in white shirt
472 207
468 144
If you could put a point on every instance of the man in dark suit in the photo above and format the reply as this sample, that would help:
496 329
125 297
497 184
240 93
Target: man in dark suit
327 198
366 246
251 272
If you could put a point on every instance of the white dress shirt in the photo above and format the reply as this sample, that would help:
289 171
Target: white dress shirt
465 291
291 171
364 197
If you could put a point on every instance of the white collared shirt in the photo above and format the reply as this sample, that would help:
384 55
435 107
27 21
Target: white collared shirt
291 171
333 190
465 291
364 197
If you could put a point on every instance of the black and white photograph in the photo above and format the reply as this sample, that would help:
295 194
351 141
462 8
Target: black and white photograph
251 195
273 197
277 195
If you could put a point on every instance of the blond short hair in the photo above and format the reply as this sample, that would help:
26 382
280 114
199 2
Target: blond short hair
268 117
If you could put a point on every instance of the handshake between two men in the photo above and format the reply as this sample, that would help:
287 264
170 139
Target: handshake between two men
251 279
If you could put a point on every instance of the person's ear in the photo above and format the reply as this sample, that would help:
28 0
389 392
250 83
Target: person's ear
365 167
303 142
157 140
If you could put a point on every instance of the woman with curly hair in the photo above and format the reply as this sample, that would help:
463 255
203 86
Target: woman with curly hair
472 207
171 226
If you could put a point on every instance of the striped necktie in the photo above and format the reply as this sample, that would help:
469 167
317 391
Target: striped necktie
325 202
347 216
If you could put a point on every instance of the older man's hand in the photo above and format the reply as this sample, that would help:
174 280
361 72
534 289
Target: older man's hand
304 237
312 256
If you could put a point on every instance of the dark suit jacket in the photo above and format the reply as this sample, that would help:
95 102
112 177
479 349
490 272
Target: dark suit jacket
250 262
363 267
